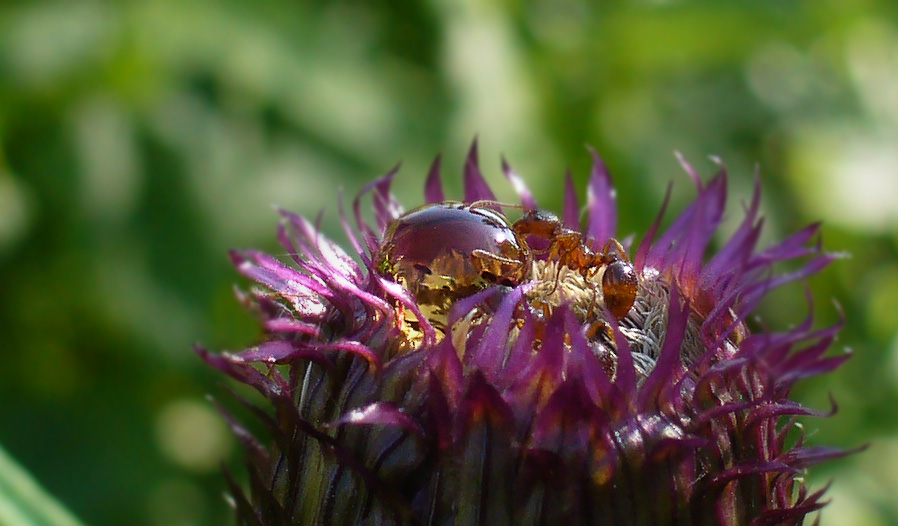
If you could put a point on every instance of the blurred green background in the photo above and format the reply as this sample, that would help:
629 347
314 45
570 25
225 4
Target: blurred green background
140 140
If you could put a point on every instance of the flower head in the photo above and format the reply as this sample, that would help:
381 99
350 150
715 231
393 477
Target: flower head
462 368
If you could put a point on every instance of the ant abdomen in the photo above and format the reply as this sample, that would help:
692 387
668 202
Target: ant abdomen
619 287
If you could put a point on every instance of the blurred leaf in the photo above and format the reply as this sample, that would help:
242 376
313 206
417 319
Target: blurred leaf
24 503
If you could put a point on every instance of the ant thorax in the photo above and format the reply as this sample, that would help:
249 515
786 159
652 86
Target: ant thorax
554 284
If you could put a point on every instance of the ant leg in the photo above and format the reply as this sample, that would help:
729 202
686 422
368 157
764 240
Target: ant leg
488 203
557 279
594 328
590 310
618 253
505 270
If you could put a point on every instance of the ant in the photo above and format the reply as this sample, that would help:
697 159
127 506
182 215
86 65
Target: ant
569 248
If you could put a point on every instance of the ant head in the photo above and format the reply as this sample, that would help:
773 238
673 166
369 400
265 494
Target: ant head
537 215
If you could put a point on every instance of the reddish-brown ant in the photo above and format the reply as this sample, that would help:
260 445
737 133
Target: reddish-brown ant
569 248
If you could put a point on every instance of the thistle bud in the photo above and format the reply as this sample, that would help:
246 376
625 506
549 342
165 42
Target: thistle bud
464 368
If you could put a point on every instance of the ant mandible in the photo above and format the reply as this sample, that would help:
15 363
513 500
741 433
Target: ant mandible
569 248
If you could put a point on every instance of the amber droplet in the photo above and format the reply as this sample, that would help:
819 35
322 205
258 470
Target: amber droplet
446 251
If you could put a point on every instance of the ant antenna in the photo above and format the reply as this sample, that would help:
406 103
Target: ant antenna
486 203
